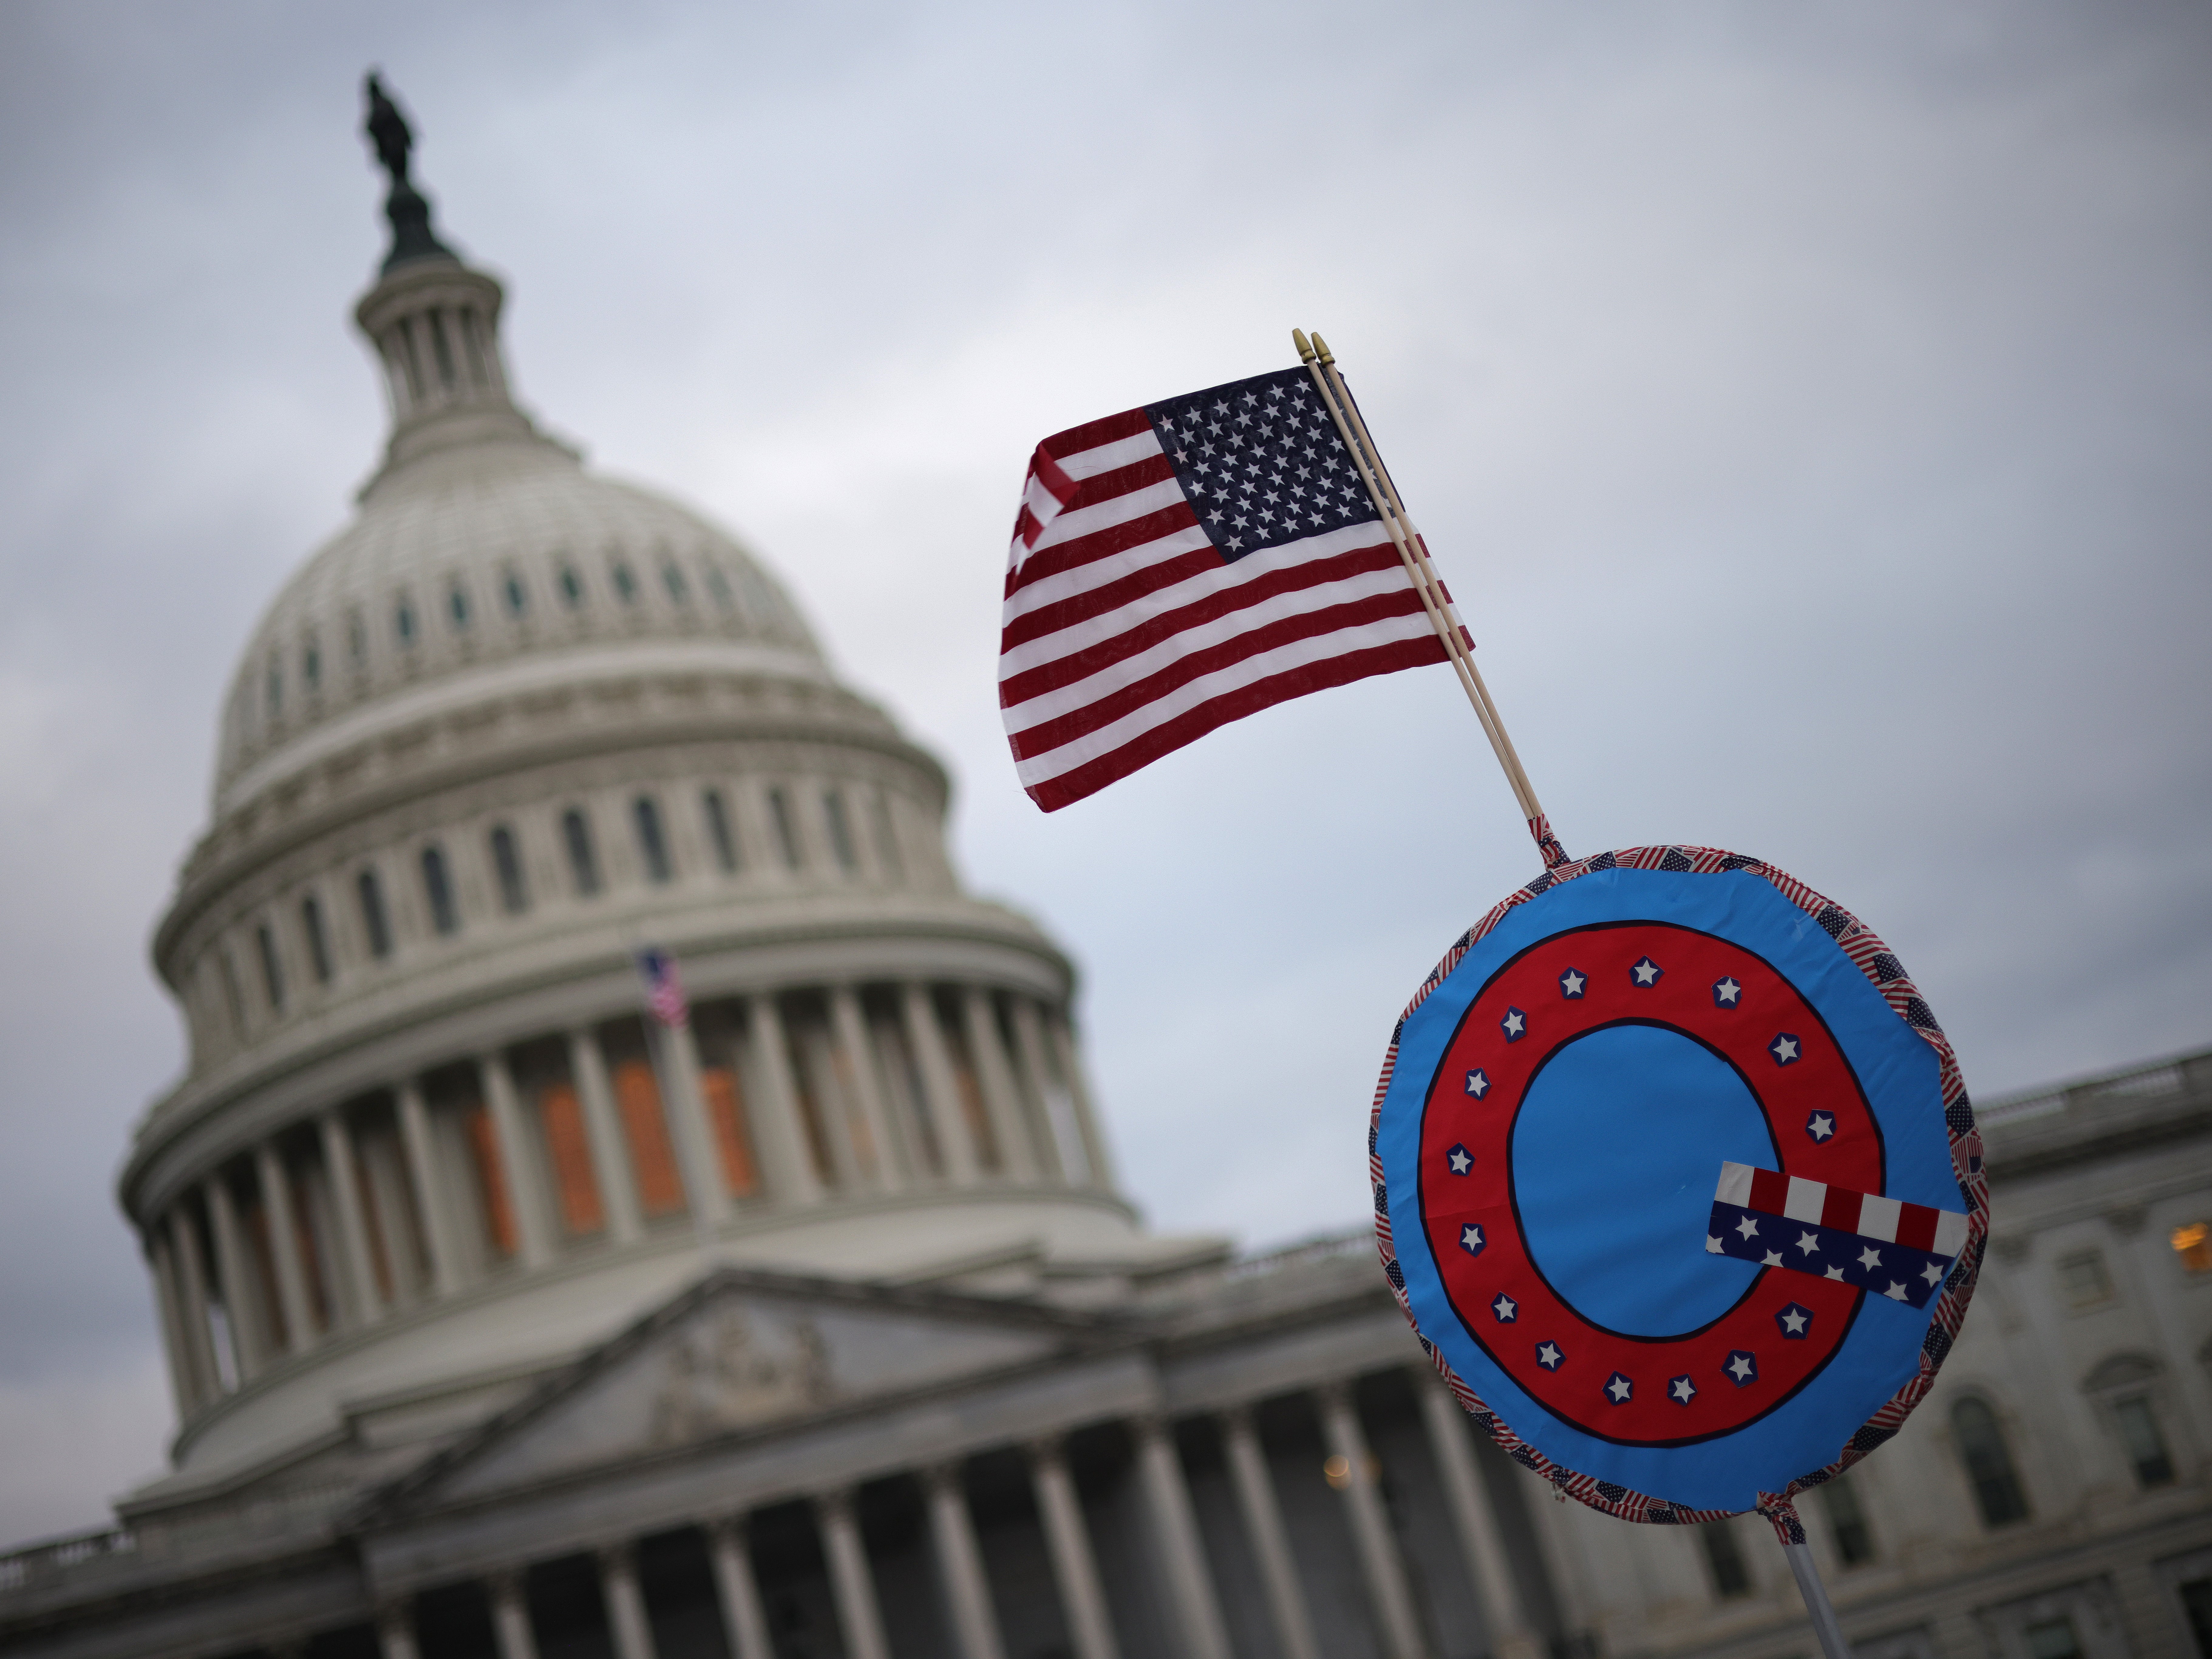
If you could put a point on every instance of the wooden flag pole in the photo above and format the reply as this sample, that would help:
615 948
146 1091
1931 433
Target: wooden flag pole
1412 551
1511 756
1439 617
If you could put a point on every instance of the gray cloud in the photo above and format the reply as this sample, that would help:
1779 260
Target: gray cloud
1810 408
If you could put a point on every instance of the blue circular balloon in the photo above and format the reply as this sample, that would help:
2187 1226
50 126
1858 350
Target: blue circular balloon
1676 1178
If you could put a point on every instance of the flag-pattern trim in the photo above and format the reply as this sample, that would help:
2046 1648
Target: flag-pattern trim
1881 966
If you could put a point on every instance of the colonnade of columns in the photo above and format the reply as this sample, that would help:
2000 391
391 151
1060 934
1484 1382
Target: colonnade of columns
448 1177
1180 1557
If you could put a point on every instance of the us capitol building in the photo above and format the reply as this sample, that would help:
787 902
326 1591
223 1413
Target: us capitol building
511 1314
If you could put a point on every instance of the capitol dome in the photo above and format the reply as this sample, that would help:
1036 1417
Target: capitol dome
513 730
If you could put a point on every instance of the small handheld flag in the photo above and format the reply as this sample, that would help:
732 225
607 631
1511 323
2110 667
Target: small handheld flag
1181 565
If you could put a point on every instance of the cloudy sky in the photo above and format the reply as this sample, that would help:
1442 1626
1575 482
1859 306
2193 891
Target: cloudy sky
1810 404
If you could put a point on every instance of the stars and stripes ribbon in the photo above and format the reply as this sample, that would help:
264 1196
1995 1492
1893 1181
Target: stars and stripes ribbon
1884 1245
1180 566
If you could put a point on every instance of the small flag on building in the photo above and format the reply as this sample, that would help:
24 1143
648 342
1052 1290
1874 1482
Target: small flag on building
664 991
1180 566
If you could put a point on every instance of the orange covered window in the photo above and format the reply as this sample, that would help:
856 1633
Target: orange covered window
491 1184
637 1100
725 1108
569 1150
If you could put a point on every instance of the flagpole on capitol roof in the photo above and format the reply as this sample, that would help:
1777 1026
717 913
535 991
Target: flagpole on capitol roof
1413 553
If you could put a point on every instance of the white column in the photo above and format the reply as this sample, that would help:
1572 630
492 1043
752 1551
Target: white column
1074 1569
850 1031
516 1167
1504 1617
1263 1524
1017 1157
626 1621
510 1616
1370 1529
786 1159
859 1619
745 1622
395 1632
926 1038
1086 1119
248 1322
353 1228
1036 1081
686 1109
610 1169
192 1274
429 1190
276 1184
1182 1550
960 1565
183 1383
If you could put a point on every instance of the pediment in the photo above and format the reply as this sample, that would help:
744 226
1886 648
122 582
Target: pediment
740 1353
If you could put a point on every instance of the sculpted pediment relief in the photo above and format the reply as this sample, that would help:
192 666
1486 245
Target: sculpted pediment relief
725 1371
731 1356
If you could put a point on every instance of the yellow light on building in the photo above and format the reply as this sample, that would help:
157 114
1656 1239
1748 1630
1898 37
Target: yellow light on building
2193 1244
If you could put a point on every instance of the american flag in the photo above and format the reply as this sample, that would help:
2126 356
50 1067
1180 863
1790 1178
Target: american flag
664 992
1180 566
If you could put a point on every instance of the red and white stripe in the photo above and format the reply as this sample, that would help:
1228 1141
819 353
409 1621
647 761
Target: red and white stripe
1890 1220
1126 635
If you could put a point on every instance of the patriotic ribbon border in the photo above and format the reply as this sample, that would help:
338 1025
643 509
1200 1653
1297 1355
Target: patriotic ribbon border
1879 965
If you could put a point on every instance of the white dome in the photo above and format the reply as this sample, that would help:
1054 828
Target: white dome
483 560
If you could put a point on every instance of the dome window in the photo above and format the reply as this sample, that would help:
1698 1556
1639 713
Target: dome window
887 846
583 860
718 831
518 597
571 586
456 603
719 586
311 665
507 859
786 831
652 844
272 970
673 578
403 624
438 890
318 940
375 923
840 832
625 585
